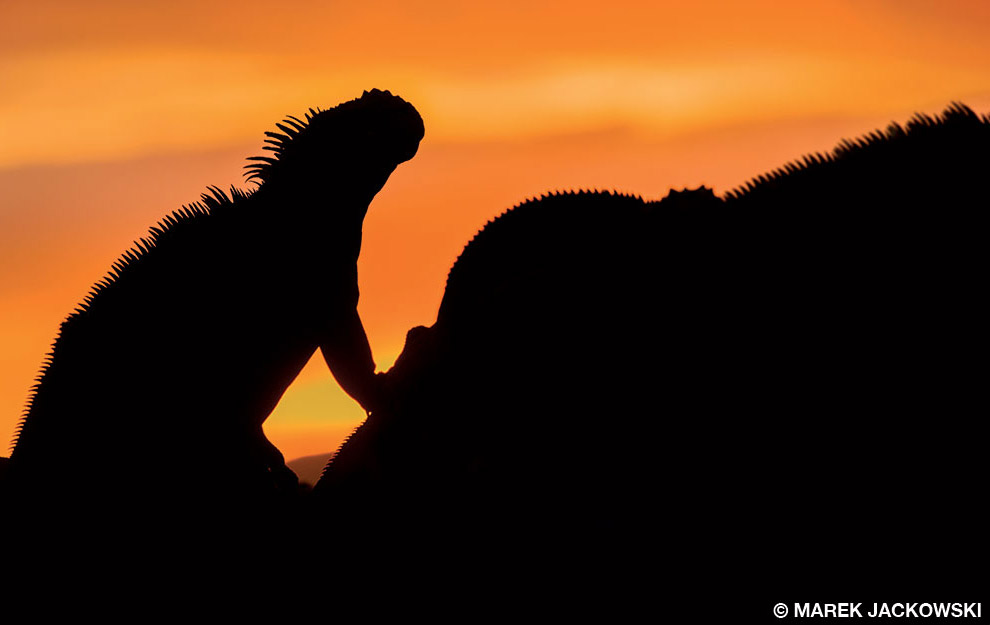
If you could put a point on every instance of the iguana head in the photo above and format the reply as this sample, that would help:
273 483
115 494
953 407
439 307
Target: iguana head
355 144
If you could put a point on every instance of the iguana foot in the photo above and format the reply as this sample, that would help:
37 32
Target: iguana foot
283 478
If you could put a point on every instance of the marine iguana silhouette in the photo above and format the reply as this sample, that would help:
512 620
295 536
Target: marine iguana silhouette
159 382
780 370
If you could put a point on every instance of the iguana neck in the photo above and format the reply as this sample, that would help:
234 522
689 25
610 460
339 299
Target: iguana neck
316 204
343 198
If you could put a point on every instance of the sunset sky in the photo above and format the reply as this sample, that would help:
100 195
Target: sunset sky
115 113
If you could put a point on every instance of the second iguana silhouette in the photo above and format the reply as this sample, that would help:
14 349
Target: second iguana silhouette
783 371
160 381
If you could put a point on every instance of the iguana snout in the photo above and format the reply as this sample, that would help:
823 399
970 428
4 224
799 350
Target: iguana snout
395 127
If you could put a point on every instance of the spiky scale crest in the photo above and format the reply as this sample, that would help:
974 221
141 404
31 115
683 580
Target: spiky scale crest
955 113
292 127
336 452
171 225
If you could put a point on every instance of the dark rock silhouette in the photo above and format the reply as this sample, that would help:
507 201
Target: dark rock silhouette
175 359
785 373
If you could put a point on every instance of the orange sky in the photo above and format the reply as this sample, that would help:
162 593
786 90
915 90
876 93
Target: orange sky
115 113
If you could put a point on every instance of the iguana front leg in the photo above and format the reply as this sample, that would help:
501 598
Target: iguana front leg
346 351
